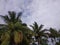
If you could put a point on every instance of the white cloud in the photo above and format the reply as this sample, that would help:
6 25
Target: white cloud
45 12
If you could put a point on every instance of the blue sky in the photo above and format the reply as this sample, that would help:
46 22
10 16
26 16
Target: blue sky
45 12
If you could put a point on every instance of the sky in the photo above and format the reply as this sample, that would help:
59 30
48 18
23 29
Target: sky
46 12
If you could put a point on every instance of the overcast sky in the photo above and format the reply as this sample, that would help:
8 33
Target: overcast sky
46 12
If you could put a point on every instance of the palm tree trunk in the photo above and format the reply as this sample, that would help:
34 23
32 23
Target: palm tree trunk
12 37
38 41
16 44
0 41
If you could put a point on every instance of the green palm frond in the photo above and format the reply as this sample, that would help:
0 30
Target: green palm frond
36 25
32 27
5 18
53 33
19 16
12 14
41 26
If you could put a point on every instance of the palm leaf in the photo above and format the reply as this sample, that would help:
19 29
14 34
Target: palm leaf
19 17
41 26
12 16
36 25
5 18
32 27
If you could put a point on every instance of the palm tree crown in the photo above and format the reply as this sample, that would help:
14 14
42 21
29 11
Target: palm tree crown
12 17
38 31
14 28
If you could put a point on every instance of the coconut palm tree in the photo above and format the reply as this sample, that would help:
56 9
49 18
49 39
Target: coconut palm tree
39 33
53 34
58 38
14 29
10 21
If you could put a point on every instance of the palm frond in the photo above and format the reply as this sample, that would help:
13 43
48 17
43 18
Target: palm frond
12 16
32 27
43 31
36 25
5 18
41 26
19 16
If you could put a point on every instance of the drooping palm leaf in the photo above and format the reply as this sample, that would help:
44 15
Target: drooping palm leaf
5 37
5 18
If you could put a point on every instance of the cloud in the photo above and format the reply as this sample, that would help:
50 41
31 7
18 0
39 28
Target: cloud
45 12
13 5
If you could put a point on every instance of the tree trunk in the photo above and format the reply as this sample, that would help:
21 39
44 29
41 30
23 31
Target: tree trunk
38 41
12 38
